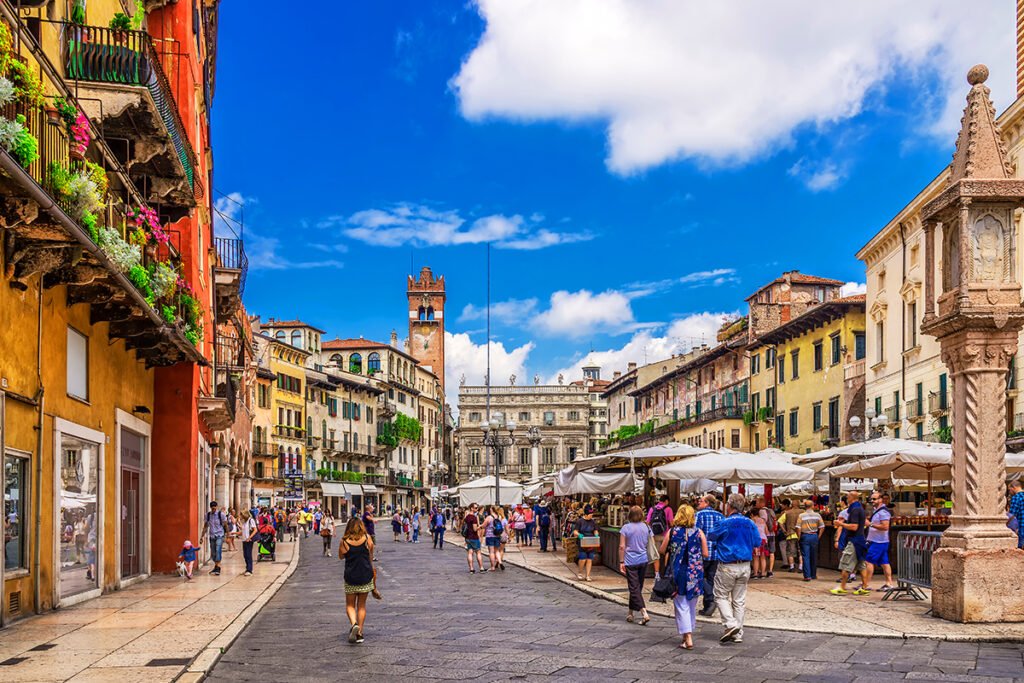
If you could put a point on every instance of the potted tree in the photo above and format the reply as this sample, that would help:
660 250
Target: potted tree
119 26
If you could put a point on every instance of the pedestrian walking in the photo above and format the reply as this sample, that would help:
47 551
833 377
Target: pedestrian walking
471 531
416 526
707 519
735 538
852 542
317 517
437 528
371 525
659 519
634 538
789 522
327 532
771 523
356 549
214 528
587 546
232 530
247 531
293 524
543 521
494 527
518 521
396 526
686 548
1016 510
187 557
811 525
280 523
760 560
878 541
406 526
531 523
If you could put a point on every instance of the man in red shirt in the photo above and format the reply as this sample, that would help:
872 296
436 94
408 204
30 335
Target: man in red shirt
471 532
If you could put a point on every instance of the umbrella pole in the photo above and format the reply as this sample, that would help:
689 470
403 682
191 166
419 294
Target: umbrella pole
931 503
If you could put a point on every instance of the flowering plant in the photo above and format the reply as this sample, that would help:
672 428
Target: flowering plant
6 92
125 256
147 219
80 133
67 111
162 279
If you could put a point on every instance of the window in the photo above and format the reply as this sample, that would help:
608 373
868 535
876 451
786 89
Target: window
474 418
78 365
549 455
755 403
572 453
794 422
942 392
912 325
297 339
401 397
735 443
780 425
755 364
794 357
859 346
879 341
336 359
782 370
833 417
549 417
769 397
369 415
836 349
474 457
280 335
574 415
355 363
15 512
524 456
896 406
769 358
878 405
819 294
524 417
816 416
373 362
819 360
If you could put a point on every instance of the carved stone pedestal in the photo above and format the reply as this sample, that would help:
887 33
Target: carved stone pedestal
978 585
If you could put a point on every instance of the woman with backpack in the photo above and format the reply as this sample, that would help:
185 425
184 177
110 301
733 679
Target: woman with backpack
494 527
687 548
660 519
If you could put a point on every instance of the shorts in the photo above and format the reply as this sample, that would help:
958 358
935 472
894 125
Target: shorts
763 550
585 555
848 560
771 545
472 544
493 541
216 543
878 553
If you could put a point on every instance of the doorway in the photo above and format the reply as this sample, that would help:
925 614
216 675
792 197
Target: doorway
132 503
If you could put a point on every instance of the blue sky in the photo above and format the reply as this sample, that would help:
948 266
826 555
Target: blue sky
640 167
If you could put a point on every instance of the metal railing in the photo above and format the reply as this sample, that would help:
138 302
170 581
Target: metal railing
262 473
938 403
231 256
289 432
104 55
893 414
263 448
229 352
914 559
914 409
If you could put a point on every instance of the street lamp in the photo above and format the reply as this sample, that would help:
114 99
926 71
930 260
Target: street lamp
874 426
496 439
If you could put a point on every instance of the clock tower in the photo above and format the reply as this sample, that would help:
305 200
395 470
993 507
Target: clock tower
426 321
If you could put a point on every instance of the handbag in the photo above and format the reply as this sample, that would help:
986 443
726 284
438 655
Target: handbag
590 542
652 549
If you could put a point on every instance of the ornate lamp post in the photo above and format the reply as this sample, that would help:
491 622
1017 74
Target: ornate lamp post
498 434
977 321
875 427
533 435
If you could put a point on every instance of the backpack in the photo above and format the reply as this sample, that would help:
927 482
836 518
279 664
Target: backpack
544 521
497 526
773 522
659 521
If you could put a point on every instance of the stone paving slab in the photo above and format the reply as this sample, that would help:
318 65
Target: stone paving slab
785 602
114 637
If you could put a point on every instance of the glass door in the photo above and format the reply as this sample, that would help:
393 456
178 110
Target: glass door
80 528
132 510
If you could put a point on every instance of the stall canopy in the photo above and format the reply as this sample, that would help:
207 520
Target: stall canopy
481 492
820 460
539 489
643 457
917 463
733 467
570 482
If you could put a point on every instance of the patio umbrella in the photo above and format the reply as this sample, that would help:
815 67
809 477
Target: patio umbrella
820 460
731 466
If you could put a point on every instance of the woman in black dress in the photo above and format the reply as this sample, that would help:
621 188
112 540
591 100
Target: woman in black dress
356 548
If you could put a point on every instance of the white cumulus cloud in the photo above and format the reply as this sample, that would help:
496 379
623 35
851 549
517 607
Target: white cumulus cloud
410 224
580 313
464 357
725 82
645 347
511 311
851 288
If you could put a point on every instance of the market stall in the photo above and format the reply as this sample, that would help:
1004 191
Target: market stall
482 492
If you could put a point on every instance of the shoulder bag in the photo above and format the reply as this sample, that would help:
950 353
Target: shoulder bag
652 548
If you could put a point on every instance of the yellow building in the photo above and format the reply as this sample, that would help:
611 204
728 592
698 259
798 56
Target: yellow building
809 378
288 411
267 480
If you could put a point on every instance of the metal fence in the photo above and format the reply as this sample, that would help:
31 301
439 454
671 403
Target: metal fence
914 558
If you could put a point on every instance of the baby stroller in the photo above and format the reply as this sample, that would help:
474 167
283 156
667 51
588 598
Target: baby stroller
265 543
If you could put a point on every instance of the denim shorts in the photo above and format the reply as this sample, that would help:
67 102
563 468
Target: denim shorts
472 543
586 555
493 542
216 543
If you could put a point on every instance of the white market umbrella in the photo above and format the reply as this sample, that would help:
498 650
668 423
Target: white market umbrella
481 492
730 466
641 457
595 482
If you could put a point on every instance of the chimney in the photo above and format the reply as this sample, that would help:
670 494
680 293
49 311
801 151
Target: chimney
394 339
1020 48
630 367
616 375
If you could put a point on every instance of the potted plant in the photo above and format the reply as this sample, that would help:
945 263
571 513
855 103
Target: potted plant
81 136
119 26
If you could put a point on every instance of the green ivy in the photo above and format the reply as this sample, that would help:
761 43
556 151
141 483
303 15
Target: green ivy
408 428
944 434
168 313
26 146
89 221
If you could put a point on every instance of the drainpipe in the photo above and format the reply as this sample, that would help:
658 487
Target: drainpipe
903 321
38 483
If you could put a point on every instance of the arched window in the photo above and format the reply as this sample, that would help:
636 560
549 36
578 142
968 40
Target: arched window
373 362
422 314
336 359
279 335
430 312
257 436
309 426
355 363
297 339
282 464
323 430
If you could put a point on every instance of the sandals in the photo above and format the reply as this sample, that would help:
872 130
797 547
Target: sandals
644 621
629 618
376 594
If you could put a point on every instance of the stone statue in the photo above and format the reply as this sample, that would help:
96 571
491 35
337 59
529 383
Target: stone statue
536 379
487 379
987 249
512 380
561 379
462 380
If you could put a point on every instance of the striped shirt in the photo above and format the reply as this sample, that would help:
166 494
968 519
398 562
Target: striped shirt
811 522
706 521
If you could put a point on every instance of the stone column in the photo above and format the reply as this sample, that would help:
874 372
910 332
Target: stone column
221 485
245 493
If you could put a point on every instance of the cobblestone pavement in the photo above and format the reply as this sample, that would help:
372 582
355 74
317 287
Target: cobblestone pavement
437 621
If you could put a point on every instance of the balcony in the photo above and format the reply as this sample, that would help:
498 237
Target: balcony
937 404
288 432
329 446
385 408
312 442
229 277
854 370
266 474
719 413
121 80
264 449
915 410
56 228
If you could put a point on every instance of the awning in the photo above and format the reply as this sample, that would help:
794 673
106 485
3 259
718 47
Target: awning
369 488
340 490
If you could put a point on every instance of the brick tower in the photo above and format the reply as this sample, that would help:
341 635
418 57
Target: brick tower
426 321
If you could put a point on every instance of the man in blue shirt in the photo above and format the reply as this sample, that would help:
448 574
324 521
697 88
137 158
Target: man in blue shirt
735 539
1017 509
708 517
